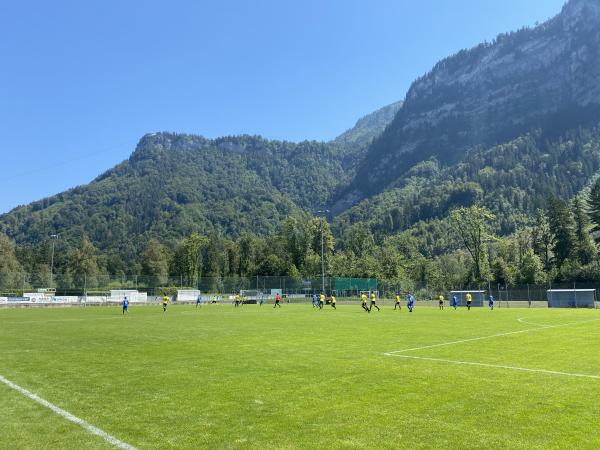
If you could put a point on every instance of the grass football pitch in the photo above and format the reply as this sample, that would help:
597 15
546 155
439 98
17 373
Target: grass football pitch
296 378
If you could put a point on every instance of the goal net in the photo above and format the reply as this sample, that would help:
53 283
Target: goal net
477 297
252 296
571 298
187 295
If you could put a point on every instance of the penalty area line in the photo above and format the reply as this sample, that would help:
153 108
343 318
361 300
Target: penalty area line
480 338
498 366
68 416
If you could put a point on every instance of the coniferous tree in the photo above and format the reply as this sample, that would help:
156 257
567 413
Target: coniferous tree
562 227
543 239
585 249
594 209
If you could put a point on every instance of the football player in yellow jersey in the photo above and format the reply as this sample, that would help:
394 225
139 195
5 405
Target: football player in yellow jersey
321 300
373 300
165 302
398 305
441 301
363 299
237 301
469 299
333 300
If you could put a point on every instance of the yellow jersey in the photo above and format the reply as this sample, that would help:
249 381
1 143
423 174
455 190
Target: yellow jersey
372 297
363 298
441 298
322 298
469 297
165 300
332 299
397 299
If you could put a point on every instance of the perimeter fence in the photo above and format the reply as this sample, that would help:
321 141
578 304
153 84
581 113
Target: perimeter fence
17 284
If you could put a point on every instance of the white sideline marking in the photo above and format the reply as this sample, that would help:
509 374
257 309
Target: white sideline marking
522 320
500 366
398 353
64 320
443 344
67 415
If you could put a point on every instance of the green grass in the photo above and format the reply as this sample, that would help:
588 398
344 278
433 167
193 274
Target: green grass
296 378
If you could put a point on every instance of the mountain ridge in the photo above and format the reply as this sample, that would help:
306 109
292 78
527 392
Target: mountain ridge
504 124
491 93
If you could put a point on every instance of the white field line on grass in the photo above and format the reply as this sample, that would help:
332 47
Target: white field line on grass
399 353
500 366
87 319
528 330
67 415
522 320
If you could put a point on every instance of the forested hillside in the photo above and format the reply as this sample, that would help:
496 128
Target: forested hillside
536 78
513 180
175 184
504 137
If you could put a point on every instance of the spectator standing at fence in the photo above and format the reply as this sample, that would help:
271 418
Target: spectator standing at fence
469 299
125 305
411 302
277 301
398 305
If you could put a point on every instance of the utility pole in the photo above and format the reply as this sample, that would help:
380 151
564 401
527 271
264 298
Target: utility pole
53 237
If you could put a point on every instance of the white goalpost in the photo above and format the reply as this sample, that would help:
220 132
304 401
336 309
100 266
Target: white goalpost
571 298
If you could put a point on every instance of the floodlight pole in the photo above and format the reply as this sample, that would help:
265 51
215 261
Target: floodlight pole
53 237
322 259
322 251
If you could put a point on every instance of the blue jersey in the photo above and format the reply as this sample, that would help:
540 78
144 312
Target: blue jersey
125 303
454 300
491 299
411 300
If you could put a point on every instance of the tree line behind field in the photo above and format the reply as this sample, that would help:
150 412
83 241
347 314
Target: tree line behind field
558 246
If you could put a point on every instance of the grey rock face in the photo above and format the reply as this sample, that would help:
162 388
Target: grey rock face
532 78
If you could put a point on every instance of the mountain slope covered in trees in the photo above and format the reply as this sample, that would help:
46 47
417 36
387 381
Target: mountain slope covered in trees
511 126
176 184
540 78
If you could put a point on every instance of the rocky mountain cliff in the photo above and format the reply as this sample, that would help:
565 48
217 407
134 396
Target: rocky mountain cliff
547 77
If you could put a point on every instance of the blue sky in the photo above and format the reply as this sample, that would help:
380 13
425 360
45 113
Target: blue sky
82 81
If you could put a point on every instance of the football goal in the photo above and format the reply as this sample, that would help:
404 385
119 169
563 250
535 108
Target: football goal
187 295
252 296
571 298
477 297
